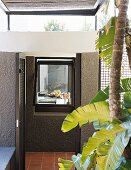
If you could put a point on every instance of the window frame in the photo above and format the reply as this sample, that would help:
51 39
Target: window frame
75 63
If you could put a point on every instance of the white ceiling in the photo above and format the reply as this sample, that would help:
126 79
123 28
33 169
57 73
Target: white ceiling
17 5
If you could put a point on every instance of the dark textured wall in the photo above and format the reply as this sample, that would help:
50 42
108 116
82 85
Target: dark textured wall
89 86
7 98
43 130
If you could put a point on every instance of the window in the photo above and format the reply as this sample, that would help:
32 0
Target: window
104 15
3 20
51 23
55 84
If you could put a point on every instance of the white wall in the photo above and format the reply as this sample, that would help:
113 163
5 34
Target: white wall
48 43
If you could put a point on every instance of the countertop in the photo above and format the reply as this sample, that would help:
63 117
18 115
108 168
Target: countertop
6 154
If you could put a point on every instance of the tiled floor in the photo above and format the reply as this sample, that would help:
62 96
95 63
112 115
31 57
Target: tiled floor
45 160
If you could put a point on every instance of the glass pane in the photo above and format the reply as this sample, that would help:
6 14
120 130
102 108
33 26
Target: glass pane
103 15
54 84
51 23
3 20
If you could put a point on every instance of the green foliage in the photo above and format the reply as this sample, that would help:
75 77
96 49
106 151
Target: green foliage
99 138
103 151
76 161
125 164
89 113
114 152
65 164
103 95
53 25
127 100
105 41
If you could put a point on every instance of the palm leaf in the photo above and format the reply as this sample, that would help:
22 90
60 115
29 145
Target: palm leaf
106 40
88 164
127 100
65 164
103 95
89 113
76 161
126 85
98 138
110 160
125 165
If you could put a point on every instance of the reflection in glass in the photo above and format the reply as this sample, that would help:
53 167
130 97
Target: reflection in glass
54 84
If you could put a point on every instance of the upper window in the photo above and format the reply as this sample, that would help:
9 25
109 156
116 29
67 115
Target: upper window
56 84
51 23
104 15
3 20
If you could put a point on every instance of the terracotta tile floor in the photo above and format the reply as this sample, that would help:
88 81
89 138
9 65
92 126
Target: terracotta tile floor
45 160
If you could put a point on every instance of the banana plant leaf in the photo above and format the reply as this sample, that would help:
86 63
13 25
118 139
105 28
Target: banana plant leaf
76 162
125 165
110 160
98 138
97 110
105 41
89 113
103 95
125 85
127 125
65 164
127 100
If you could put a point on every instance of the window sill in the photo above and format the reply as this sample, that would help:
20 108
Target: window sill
53 108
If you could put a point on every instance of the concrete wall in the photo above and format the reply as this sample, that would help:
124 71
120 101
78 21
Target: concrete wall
48 43
7 98
43 132
89 86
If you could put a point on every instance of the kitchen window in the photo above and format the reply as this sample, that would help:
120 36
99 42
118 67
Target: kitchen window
55 84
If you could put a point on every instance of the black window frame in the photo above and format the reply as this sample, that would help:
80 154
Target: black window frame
76 81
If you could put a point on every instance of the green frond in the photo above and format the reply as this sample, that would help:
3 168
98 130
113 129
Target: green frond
125 164
110 160
127 100
76 161
103 148
89 113
103 95
65 164
125 85
105 41
98 138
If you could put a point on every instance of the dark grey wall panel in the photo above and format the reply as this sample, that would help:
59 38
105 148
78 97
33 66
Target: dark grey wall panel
7 98
43 132
89 86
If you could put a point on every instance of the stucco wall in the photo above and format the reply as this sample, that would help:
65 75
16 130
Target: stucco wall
43 131
7 98
89 86
48 43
